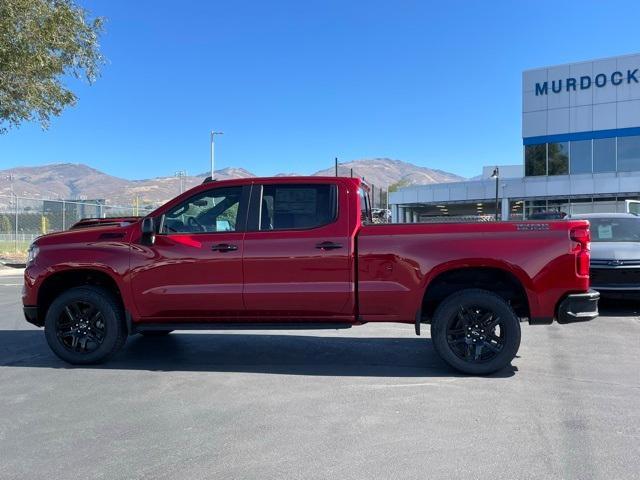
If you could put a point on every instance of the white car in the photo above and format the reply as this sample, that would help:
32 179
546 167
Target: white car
615 253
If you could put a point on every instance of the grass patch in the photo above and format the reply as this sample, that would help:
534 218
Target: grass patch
13 251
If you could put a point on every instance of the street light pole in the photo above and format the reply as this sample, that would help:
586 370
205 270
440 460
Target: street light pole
496 175
181 174
213 134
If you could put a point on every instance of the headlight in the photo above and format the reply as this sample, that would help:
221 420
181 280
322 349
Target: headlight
32 253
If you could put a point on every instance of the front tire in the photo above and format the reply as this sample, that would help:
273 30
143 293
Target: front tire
85 325
476 332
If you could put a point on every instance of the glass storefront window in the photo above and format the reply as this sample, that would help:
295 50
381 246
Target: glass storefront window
534 207
629 154
581 205
535 160
604 205
561 207
558 158
580 158
516 209
604 155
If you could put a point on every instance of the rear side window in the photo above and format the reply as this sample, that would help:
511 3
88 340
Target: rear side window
297 206
365 207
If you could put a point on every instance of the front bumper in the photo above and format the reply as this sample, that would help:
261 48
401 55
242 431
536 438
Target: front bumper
31 315
578 307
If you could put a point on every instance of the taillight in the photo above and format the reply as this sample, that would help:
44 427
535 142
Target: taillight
582 236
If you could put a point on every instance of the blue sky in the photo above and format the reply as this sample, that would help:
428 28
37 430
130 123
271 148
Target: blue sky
295 83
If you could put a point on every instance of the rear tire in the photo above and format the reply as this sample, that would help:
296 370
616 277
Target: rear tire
476 332
85 325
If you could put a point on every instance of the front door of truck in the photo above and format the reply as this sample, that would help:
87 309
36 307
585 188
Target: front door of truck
297 252
193 271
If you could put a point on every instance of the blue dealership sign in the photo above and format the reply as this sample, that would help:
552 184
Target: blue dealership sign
586 81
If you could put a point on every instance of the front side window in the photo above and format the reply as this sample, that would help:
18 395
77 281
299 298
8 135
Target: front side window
297 206
208 212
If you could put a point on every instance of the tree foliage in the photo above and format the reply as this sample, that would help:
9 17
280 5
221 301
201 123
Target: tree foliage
394 187
41 43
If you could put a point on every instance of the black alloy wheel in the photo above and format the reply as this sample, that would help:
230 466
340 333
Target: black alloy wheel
85 325
475 334
80 327
476 331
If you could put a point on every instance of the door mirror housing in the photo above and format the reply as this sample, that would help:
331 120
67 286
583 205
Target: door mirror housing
148 229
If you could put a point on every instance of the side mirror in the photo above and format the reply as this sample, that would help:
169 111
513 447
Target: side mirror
148 229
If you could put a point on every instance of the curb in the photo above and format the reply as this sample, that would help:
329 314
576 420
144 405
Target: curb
14 265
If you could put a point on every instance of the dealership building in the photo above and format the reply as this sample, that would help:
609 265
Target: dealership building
580 154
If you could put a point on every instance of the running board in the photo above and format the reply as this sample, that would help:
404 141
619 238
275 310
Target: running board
150 327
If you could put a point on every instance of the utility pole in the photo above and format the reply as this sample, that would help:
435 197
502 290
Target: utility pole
336 162
387 216
213 155
14 198
181 174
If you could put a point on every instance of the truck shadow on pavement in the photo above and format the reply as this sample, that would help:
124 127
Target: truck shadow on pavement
250 353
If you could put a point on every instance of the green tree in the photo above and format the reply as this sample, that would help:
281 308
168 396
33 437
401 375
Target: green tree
394 187
41 42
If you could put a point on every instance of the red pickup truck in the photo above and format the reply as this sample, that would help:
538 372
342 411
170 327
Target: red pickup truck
301 252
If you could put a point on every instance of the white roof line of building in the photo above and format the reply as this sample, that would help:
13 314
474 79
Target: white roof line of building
581 62
596 184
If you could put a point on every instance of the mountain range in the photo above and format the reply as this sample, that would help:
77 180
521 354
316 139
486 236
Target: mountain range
80 182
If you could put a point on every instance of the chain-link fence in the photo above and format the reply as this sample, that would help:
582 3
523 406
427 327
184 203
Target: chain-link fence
23 219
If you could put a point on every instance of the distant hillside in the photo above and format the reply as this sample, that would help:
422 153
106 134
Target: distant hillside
383 172
79 182
65 180
76 181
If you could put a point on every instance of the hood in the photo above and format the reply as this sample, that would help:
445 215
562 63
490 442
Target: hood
104 222
615 250
109 231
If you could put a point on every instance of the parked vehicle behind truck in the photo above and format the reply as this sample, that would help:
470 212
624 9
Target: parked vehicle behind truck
301 252
615 255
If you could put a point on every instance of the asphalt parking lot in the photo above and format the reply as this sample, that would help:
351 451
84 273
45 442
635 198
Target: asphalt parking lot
371 402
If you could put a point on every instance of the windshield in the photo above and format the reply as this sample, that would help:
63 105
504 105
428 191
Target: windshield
615 229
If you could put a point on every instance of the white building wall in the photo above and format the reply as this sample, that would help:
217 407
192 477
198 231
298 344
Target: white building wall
581 109
521 188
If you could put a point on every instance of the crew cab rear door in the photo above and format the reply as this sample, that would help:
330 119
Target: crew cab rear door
297 252
193 271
